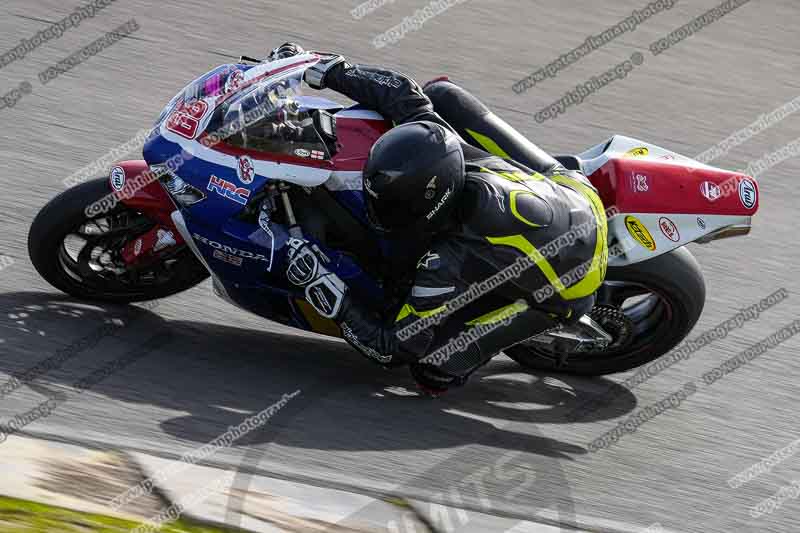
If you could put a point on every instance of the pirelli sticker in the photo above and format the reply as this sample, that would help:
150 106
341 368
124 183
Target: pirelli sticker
639 232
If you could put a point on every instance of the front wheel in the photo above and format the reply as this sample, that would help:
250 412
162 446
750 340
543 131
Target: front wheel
648 307
80 255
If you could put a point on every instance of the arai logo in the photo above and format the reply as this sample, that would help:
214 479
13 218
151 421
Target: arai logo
118 178
747 193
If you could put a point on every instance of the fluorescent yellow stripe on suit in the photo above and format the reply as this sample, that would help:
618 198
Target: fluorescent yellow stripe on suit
489 144
597 271
498 315
588 285
408 309
513 203
524 245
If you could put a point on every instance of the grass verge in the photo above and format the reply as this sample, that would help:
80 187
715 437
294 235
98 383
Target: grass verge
22 516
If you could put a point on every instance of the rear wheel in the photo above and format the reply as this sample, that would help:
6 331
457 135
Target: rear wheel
81 255
647 307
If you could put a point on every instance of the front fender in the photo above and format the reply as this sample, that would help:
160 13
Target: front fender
133 184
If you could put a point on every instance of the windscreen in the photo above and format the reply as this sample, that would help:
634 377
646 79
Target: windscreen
213 83
268 117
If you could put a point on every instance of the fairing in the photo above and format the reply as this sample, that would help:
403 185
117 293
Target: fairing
193 141
663 197
665 200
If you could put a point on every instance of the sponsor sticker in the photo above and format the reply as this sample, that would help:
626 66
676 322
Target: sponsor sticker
195 109
640 151
185 120
669 229
710 190
234 81
302 152
701 223
747 193
229 250
182 125
227 258
639 232
317 154
118 178
639 182
137 247
165 238
245 169
228 190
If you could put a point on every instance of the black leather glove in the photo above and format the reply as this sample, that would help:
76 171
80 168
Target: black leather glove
315 75
324 290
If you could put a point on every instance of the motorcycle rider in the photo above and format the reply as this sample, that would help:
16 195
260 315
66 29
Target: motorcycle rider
479 211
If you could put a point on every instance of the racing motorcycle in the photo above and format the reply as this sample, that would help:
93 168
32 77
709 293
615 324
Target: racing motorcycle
240 160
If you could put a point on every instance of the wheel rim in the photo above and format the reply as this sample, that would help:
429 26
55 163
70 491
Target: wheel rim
89 254
648 311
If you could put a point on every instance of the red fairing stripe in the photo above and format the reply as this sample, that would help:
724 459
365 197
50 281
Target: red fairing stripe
355 137
642 186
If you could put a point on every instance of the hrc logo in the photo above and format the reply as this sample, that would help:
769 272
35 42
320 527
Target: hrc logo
228 190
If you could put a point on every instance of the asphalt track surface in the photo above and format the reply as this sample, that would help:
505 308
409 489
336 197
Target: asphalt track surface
353 425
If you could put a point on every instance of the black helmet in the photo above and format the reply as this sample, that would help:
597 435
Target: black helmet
413 177
285 50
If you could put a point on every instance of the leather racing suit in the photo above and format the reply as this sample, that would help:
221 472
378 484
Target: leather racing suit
526 249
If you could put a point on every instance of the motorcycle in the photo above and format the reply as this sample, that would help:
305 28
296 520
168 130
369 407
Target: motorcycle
240 160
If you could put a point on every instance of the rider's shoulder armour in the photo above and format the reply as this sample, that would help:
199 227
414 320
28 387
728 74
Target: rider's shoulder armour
502 200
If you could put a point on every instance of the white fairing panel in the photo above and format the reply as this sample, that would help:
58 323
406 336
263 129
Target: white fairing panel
662 233
621 146
635 237
219 289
